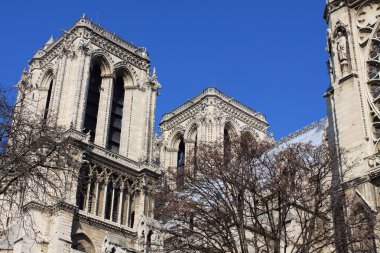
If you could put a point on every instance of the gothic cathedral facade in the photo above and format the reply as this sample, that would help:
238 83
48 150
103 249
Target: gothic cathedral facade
100 87
353 100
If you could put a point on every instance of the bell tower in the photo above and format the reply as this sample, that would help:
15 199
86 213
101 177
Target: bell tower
353 97
353 43
99 87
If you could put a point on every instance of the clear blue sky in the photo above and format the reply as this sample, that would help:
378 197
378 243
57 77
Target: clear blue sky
267 54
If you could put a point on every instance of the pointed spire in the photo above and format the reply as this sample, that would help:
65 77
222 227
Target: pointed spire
84 15
154 72
49 42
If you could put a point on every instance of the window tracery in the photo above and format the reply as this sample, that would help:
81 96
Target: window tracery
110 195
373 84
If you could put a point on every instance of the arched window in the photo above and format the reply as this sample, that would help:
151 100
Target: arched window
108 204
93 96
226 143
193 138
131 206
180 162
82 187
48 98
149 241
195 150
82 243
116 114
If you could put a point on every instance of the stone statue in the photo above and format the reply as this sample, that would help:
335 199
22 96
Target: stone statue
342 47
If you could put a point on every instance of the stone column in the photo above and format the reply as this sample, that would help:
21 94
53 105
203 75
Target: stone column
59 82
126 121
94 208
86 204
103 118
81 92
112 201
121 199
105 190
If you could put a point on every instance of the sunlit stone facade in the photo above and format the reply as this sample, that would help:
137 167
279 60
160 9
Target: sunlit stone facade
211 116
353 42
100 88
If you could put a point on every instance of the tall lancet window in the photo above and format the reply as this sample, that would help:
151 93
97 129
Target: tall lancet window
116 114
181 163
48 98
92 105
226 144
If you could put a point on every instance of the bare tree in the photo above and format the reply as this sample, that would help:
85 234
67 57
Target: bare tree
251 197
38 162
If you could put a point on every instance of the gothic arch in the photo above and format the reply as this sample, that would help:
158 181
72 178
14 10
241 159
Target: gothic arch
82 243
362 225
250 130
46 75
123 65
231 127
175 136
47 78
191 130
340 27
104 59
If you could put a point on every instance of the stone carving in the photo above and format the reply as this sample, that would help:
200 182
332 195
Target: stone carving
373 85
341 46
366 17
84 46
131 71
25 81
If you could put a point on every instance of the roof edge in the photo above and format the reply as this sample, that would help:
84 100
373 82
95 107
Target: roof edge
301 131
212 91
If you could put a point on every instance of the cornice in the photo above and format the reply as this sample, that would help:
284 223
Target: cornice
98 36
194 104
83 22
111 159
337 4
103 224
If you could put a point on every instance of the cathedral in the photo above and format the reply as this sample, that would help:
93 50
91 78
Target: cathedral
103 90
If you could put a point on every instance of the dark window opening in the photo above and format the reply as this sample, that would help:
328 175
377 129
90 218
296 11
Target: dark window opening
181 163
116 115
131 206
82 188
226 145
115 210
91 204
108 203
92 105
47 105
149 241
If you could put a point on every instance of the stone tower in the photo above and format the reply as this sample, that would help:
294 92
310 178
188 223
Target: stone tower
99 87
353 98
208 117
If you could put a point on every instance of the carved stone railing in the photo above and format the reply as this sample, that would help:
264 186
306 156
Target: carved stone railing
112 37
373 160
105 224
103 152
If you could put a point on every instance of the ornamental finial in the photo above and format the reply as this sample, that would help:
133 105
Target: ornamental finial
49 42
154 72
